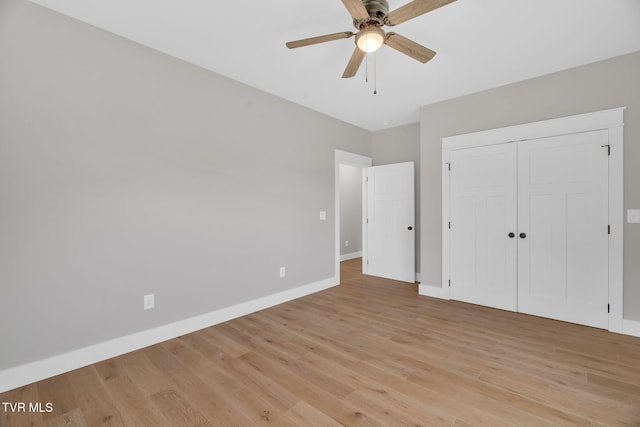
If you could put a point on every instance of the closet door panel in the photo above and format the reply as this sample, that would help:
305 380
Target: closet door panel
483 213
563 211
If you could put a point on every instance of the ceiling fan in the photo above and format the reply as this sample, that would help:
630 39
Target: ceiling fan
369 16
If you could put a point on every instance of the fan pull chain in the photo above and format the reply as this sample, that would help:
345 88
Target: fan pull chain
375 73
366 68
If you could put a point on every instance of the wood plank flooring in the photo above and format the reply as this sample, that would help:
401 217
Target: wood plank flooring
370 352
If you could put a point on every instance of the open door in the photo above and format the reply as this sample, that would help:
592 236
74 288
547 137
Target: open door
389 222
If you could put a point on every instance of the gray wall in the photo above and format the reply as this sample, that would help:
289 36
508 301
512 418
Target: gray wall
124 172
350 209
397 145
602 85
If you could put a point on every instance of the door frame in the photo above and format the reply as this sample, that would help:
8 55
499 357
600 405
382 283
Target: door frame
611 120
351 159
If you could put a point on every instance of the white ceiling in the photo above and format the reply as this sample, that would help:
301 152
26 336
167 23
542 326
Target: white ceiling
480 44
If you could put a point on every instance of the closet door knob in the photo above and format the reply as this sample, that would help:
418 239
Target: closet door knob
522 235
512 235
410 228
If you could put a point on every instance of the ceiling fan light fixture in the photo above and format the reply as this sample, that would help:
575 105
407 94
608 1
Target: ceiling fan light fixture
370 38
369 16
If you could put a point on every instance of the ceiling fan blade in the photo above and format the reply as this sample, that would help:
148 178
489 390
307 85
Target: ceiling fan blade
356 9
320 39
409 47
354 63
413 9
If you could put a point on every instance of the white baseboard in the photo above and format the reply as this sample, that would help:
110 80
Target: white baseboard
352 255
631 327
42 369
432 291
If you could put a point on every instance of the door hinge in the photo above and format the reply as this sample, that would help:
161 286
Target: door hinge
608 229
608 308
367 220
448 165
367 262
449 282
608 149
449 225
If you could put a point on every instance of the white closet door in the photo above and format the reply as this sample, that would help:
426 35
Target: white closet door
483 212
563 218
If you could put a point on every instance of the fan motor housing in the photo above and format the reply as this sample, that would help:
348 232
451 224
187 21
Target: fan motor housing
378 11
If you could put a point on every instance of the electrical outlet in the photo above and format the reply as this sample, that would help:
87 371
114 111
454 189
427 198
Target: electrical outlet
346 243
149 301
282 271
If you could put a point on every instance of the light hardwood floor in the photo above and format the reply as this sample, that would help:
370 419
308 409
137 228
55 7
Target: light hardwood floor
370 352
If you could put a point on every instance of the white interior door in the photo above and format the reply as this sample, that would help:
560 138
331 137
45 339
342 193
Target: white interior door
483 214
390 226
563 218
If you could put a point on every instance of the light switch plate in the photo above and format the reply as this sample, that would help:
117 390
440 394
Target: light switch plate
633 215
323 215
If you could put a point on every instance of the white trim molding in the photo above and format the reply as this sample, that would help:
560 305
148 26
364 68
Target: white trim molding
610 120
433 291
598 120
631 327
352 255
352 159
42 369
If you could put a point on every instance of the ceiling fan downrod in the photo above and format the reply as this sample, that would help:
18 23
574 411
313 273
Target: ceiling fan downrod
378 11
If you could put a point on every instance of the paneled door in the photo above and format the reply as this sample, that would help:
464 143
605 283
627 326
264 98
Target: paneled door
529 227
390 227
563 228
483 226
561 198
